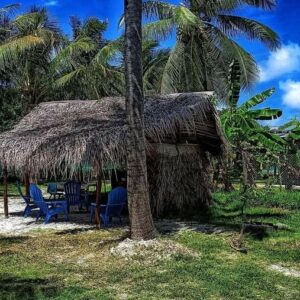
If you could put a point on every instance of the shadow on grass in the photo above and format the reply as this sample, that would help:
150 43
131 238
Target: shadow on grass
238 214
73 231
199 224
12 287
12 239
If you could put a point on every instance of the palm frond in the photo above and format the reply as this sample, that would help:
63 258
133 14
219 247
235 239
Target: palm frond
108 52
236 26
158 9
77 47
11 50
159 30
249 68
264 4
171 74
67 78
11 8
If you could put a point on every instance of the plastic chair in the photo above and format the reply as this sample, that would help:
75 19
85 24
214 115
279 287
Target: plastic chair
29 205
47 209
117 199
52 190
73 195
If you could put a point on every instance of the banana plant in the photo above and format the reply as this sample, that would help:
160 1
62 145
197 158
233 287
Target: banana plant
292 136
293 130
241 122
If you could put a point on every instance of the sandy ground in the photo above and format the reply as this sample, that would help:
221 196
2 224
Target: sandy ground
16 224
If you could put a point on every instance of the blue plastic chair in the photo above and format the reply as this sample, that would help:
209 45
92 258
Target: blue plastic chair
47 209
73 195
52 190
117 199
29 205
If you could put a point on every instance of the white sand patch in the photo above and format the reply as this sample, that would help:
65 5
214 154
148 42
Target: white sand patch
16 224
152 250
285 271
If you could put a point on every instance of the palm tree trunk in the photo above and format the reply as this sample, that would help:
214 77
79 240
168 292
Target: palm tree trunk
142 226
5 191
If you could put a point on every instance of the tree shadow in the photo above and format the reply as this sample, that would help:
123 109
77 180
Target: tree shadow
12 239
167 227
12 287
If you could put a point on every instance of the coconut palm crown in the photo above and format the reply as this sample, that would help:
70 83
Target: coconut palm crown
205 43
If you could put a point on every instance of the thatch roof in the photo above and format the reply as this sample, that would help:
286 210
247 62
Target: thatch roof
61 134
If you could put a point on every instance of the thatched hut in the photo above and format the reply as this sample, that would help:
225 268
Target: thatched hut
182 131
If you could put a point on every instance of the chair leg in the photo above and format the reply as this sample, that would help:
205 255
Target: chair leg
27 211
66 214
92 213
65 206
105 220
47 219
38 215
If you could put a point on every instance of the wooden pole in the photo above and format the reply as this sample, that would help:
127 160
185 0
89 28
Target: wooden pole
5 192
26 183
98 197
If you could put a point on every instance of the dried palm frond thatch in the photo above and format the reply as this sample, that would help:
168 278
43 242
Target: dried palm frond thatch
59 135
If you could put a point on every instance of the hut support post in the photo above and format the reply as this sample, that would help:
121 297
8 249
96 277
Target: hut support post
26 183
5 192
98 197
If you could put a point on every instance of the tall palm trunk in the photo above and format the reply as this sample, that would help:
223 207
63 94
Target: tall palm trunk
138 192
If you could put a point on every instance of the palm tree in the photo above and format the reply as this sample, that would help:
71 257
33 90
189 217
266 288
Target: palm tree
86 68
137 183
82 65
205 44
27 51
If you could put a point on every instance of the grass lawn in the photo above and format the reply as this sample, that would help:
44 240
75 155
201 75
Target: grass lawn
79 265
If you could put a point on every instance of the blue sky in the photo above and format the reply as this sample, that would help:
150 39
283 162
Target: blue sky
280 69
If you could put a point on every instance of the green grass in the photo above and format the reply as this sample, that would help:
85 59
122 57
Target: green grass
48 265
12 190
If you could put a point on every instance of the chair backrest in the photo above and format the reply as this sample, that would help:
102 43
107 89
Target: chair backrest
117 198
37 196
72 192
52 188
25 198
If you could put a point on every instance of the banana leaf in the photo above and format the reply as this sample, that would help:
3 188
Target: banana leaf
259 98
265 114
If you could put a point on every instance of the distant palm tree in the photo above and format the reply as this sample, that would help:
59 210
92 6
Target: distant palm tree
86 68
137 183
27 50
205 44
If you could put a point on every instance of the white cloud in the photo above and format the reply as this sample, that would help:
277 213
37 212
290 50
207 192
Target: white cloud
291 96
51 3
285 60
